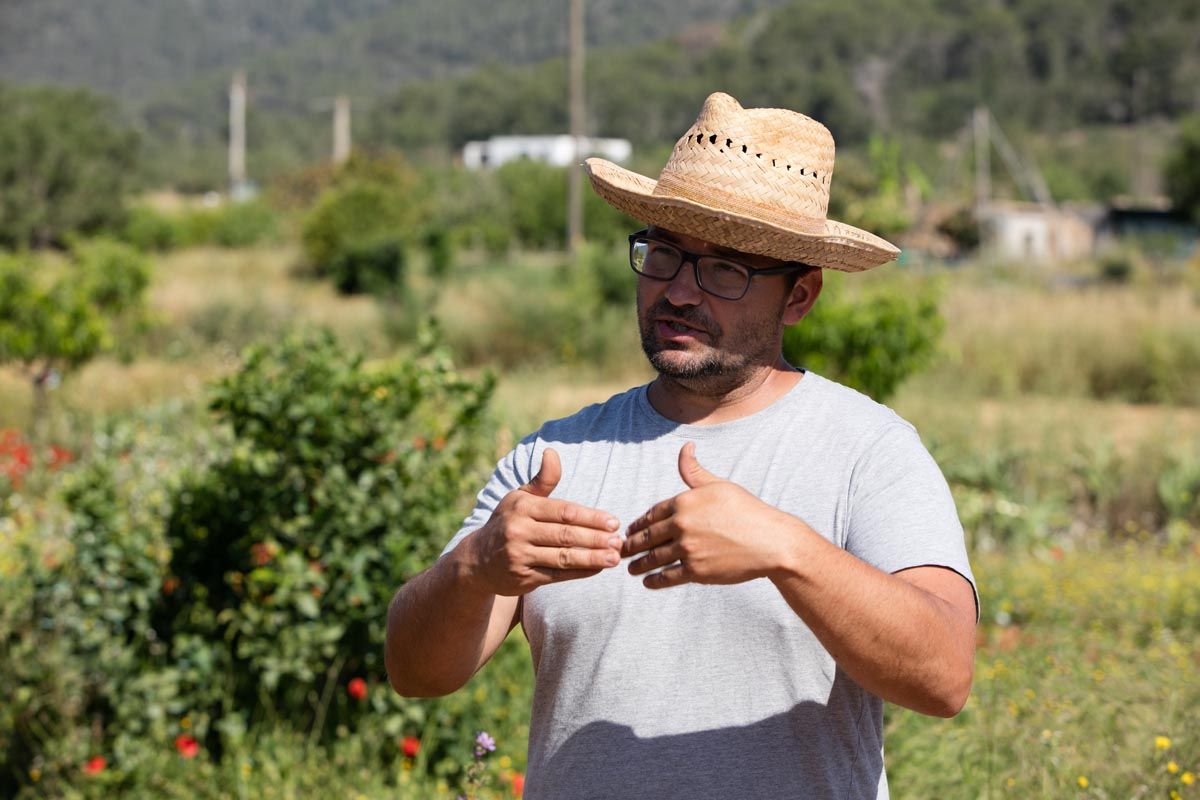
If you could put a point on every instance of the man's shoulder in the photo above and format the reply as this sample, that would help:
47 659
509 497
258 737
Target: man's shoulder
847 408
595 420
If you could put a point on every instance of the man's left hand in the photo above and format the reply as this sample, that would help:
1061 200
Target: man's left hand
715 532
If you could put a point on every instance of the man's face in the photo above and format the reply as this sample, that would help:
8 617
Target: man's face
692 336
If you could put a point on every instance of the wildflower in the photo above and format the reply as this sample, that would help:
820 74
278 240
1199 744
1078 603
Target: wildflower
484 742
1187 778
95 765
518 783
410 746
1082 781
1175 795
187 745
357 688
1172 767
35 774
170 584
1162 742
59 456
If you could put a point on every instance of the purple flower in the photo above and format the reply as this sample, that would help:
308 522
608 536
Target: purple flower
485 741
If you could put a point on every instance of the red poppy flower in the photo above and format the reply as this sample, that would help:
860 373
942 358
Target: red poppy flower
410 746
518 782
187 745
59 456
357 688
95 765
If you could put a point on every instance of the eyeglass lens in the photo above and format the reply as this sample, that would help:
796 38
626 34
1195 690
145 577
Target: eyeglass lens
716 275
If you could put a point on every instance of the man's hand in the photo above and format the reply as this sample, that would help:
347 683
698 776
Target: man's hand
532 540
715 532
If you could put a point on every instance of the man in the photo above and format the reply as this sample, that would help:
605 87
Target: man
792 553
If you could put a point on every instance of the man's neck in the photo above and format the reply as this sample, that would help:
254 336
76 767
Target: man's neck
701 403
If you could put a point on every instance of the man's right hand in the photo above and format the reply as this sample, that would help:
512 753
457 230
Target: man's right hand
532 540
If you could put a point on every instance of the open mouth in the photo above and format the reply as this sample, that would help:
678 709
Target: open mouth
674 329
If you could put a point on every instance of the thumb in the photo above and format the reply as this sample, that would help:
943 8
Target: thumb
690 470
548 476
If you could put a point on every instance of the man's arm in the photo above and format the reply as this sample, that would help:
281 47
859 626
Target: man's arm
445 623
907 637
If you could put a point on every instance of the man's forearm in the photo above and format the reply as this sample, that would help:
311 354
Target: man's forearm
897 640
437 630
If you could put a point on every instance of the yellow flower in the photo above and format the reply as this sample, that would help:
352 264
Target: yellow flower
1187 778
1047 734
1175 795
35 774
1172 767
1011 782
1162 742
1082 781
185 723
505 762
246 769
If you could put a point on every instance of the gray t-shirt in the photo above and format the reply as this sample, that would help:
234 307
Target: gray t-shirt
718 691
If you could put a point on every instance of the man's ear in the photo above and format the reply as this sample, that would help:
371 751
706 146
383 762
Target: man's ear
803 295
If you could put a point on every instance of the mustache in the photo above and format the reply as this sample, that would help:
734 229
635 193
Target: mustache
688 314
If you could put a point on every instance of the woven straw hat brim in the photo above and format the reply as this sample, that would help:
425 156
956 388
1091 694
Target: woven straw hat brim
825 243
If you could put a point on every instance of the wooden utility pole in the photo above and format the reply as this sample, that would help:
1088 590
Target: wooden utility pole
575 172
237 132
341 129
983 164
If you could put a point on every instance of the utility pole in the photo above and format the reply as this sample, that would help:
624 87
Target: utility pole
237 133
983 164
575 173
341 129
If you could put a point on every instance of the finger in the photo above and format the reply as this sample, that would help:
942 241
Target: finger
676 575
567 558
657 513
690 470
548 476
546 534
557 575
656 534
655 557
567 513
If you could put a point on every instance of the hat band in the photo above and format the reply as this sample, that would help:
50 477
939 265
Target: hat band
674 185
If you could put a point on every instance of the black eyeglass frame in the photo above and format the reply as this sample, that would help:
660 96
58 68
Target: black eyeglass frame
686 256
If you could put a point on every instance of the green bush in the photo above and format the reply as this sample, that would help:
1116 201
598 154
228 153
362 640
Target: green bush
342 481
353 219
370 265
870 343
150 230
244 224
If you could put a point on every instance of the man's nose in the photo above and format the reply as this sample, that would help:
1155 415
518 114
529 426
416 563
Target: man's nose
683 289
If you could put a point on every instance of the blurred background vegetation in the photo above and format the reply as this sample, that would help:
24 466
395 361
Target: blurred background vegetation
230 427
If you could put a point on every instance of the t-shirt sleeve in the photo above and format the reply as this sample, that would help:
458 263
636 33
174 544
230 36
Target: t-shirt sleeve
512 472
902 514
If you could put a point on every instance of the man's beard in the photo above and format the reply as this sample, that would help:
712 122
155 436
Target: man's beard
717 369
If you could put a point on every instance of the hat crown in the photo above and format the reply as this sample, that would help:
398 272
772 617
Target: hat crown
752 160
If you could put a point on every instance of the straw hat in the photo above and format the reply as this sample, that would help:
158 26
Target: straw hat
751 179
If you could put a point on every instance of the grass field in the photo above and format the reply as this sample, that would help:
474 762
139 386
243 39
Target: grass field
1057 413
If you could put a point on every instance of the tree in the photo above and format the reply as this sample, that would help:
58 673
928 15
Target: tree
64 165
55 318
1183 168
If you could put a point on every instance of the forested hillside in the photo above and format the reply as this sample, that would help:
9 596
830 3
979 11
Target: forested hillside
432 74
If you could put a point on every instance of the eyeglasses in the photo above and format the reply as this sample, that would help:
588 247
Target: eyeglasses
716 275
